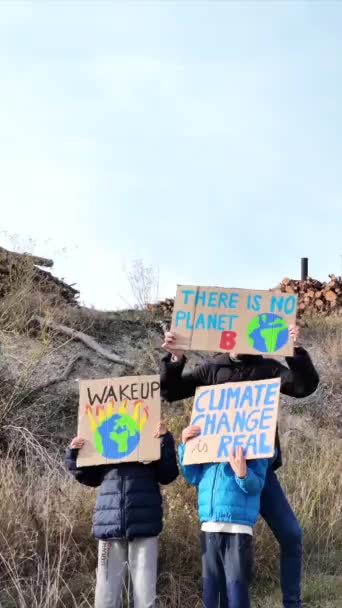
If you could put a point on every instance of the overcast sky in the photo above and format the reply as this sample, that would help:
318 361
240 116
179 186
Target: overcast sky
204 138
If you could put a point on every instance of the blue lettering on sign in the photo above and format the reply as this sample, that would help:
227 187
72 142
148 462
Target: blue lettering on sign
188 321
223 424
210 424
223 300
200 297
247 396
290 305
264 417
200 322
220 322
233 300
197 419
197 400
257 303
222 318
180 316
251 445
225 441
282 303
231 320
254 302
252 420
239 421
187 293
212 301
233 393
264 448
259 388
212 321
271 393
220 405
228 440
277 301
239 441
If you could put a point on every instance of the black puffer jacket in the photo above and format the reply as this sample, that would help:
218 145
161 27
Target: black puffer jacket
299 379
128 502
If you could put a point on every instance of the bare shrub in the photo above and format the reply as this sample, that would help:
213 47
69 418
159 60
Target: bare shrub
144 283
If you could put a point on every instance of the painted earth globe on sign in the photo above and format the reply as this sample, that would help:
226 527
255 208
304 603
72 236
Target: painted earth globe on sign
267 332
117 436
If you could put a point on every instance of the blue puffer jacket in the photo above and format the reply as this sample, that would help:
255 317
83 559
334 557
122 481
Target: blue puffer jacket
224 497
128 503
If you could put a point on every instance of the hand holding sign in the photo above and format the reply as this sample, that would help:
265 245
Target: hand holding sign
160 430
169 345
77 443
190 432
294 332
238 463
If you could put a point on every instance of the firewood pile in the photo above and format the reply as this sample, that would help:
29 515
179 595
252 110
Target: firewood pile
315 297
162 309
19 269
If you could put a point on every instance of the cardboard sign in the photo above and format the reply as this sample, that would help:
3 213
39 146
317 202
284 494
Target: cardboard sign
233 320
231 415
117 418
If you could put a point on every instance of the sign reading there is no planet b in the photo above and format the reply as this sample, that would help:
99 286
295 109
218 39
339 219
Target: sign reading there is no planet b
233 320
117 418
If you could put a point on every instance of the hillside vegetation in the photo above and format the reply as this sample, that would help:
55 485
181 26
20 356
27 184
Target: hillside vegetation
47 556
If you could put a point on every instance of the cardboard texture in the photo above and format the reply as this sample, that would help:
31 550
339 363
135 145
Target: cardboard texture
231 415
117 418
233 320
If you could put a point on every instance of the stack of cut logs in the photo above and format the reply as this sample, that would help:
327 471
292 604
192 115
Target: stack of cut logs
315 297
18 268
162 309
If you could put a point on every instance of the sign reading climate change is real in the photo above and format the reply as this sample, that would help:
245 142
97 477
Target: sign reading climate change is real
233 320
117 419
231 415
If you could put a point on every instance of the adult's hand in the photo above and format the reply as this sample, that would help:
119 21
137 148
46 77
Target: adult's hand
169 346
294 332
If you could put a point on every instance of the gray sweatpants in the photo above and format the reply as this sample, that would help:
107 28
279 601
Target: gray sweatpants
140 556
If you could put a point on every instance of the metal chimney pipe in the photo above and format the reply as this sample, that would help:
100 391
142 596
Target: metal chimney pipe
304 267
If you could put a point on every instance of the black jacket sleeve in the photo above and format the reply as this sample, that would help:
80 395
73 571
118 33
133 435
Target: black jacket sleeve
89 476
300 379
167 468
174 385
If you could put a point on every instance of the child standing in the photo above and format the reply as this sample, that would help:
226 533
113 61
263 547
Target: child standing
228 506
127 520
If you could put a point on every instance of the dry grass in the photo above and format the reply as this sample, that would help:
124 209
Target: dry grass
48 559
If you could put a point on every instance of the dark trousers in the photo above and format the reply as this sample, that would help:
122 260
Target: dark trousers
226 569
279 516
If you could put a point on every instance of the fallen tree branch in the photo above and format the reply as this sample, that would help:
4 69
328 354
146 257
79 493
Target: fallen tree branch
61 378
85 338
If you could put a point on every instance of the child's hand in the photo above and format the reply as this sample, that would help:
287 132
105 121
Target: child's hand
77 443
238 463
160 430
190 432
